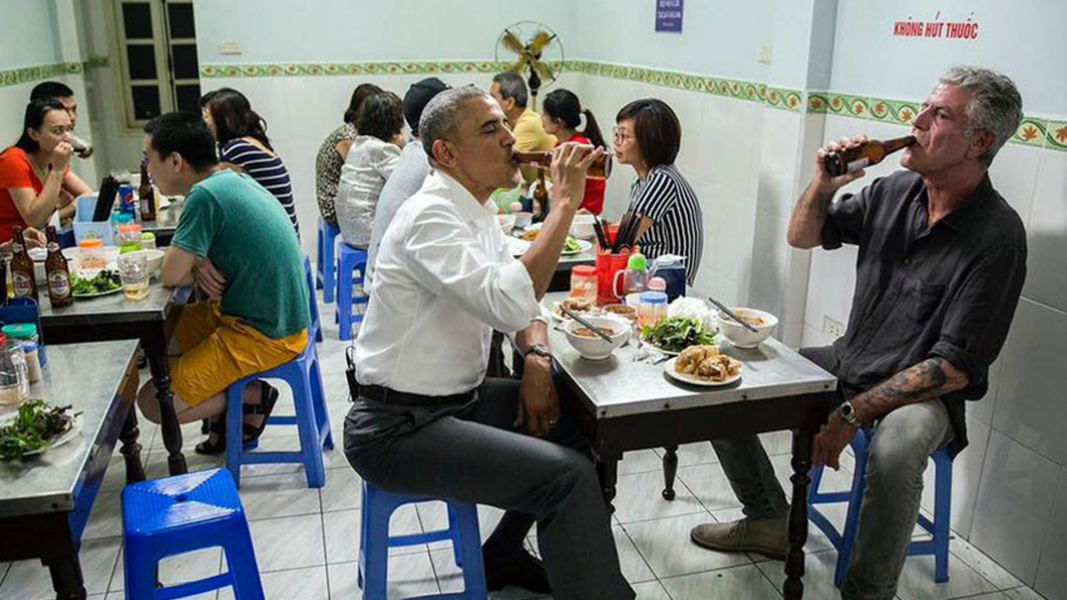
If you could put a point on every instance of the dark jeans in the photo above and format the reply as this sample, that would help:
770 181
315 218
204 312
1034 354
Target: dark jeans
472 453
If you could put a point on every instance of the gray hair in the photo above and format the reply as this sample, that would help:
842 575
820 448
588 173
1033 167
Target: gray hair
512 86
440 118
995 104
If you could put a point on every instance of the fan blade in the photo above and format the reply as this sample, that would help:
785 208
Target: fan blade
544 71
518 65
511 42
541 39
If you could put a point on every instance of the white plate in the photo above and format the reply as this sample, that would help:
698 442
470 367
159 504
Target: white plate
99 294
694 380
516 246
583 246
70 434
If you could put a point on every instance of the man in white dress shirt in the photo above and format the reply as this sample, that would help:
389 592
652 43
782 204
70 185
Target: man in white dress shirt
426 420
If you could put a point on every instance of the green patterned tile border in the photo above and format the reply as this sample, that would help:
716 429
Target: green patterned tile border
818 103
96 62
1057 136
208 71
1031 132
897 112
38 73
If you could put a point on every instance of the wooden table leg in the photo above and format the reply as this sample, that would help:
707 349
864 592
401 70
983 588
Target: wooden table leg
156 349
607 468
670 471
131 449
793 589
62 561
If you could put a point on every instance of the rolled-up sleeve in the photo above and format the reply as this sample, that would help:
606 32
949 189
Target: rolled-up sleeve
845 218
444 254
980 315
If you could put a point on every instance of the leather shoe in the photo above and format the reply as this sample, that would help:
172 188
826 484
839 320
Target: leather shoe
517 569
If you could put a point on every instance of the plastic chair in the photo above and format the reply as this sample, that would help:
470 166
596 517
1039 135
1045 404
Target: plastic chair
324 264
845 541
374 544
175 515
315 328
349 260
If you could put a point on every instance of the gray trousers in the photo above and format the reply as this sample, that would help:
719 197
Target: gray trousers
898 455
472 453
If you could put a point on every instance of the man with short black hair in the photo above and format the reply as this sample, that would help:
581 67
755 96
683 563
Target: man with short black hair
59 91
236 243
509 91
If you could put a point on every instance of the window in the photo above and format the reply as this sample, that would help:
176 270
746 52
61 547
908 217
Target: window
157 46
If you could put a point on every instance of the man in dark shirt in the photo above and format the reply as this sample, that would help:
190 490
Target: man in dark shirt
941 264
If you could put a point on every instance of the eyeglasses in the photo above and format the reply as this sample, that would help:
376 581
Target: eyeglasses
621 135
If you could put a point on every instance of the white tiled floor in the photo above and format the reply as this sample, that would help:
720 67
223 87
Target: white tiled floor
306 539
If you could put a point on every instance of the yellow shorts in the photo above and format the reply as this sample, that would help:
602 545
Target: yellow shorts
219 349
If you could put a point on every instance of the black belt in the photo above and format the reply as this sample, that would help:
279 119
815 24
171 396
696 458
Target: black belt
385 395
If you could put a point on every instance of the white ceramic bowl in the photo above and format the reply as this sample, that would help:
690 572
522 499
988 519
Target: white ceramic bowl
739 335
507 222
595 348
154 258
523 219
582 226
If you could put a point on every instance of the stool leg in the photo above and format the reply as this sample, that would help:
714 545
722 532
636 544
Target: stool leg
329 267
310 444
139 570
241 561
942 517
235 430
457 535
318 395
344 299
319 271
374 538
848 536
471 551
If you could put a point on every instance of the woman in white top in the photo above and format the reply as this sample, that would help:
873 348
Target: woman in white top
371 159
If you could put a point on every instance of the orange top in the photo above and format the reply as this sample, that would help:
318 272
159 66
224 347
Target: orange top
15 172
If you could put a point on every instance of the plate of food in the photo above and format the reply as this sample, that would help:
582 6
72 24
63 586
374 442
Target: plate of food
35 428
574 245
103 283
704 365
672 335
582 306
522 243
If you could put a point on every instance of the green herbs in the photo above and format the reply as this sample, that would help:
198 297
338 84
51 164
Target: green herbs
35 425
676 334
104 281
571 246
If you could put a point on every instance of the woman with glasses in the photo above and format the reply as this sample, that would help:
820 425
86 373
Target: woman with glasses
647 137
35 176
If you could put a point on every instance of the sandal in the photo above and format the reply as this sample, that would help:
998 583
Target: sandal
265 407
215 444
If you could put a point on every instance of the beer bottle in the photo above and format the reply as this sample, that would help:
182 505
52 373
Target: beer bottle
22 278
3 278
540 197
865 155
57 272
600 169
146 195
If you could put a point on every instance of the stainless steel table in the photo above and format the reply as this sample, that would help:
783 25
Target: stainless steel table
150 320
45 500
624 405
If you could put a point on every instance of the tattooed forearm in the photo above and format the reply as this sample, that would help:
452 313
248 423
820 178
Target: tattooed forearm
927 380
809 214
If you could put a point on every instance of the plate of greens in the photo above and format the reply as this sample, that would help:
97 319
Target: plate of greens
575 246
105 282
36 427
674 334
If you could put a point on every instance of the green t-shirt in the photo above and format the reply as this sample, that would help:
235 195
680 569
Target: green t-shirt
235 222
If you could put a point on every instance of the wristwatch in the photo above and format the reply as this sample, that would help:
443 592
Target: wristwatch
538 349
848 413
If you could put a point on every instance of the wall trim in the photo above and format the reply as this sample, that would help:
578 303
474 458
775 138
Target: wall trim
9 77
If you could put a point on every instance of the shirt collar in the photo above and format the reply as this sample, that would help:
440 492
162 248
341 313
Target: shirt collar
466 204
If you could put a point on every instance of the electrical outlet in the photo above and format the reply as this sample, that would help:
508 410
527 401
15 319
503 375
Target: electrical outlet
832 328
229 48
766 53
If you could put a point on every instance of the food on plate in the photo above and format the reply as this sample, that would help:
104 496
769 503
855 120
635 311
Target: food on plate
753 320
577 305
622 310
104 281
707 363
92 261
34 427
693 307
529 235
588 333
571 246
675 334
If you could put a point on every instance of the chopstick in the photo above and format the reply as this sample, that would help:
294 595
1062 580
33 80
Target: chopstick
570 313
731 314
598 227
620 235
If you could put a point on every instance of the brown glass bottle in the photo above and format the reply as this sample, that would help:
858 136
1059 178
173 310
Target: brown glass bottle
600 169
57 272
3 278
22 279
146 195
865 155
540 197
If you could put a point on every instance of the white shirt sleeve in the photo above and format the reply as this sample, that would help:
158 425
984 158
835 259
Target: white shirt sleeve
443 254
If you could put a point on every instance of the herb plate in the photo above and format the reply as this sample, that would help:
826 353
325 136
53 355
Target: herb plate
66 436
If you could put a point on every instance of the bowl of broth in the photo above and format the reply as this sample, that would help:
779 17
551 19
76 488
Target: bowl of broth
589 344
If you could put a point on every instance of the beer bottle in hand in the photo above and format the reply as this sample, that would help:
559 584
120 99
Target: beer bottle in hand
540 197
600 169
22 279
57 272
864 155
146 195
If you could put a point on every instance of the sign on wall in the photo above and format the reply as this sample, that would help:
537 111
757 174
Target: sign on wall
938 28
669 15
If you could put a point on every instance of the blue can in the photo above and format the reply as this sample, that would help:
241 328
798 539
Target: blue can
126 199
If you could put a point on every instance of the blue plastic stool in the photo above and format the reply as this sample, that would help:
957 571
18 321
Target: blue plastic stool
311 419
374 544
348 261
324 264
315 328
844 542
181 514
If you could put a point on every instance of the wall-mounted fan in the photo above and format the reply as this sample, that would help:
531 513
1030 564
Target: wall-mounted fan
534 50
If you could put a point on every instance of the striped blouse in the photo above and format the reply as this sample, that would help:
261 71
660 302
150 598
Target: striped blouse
678 226
267 170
